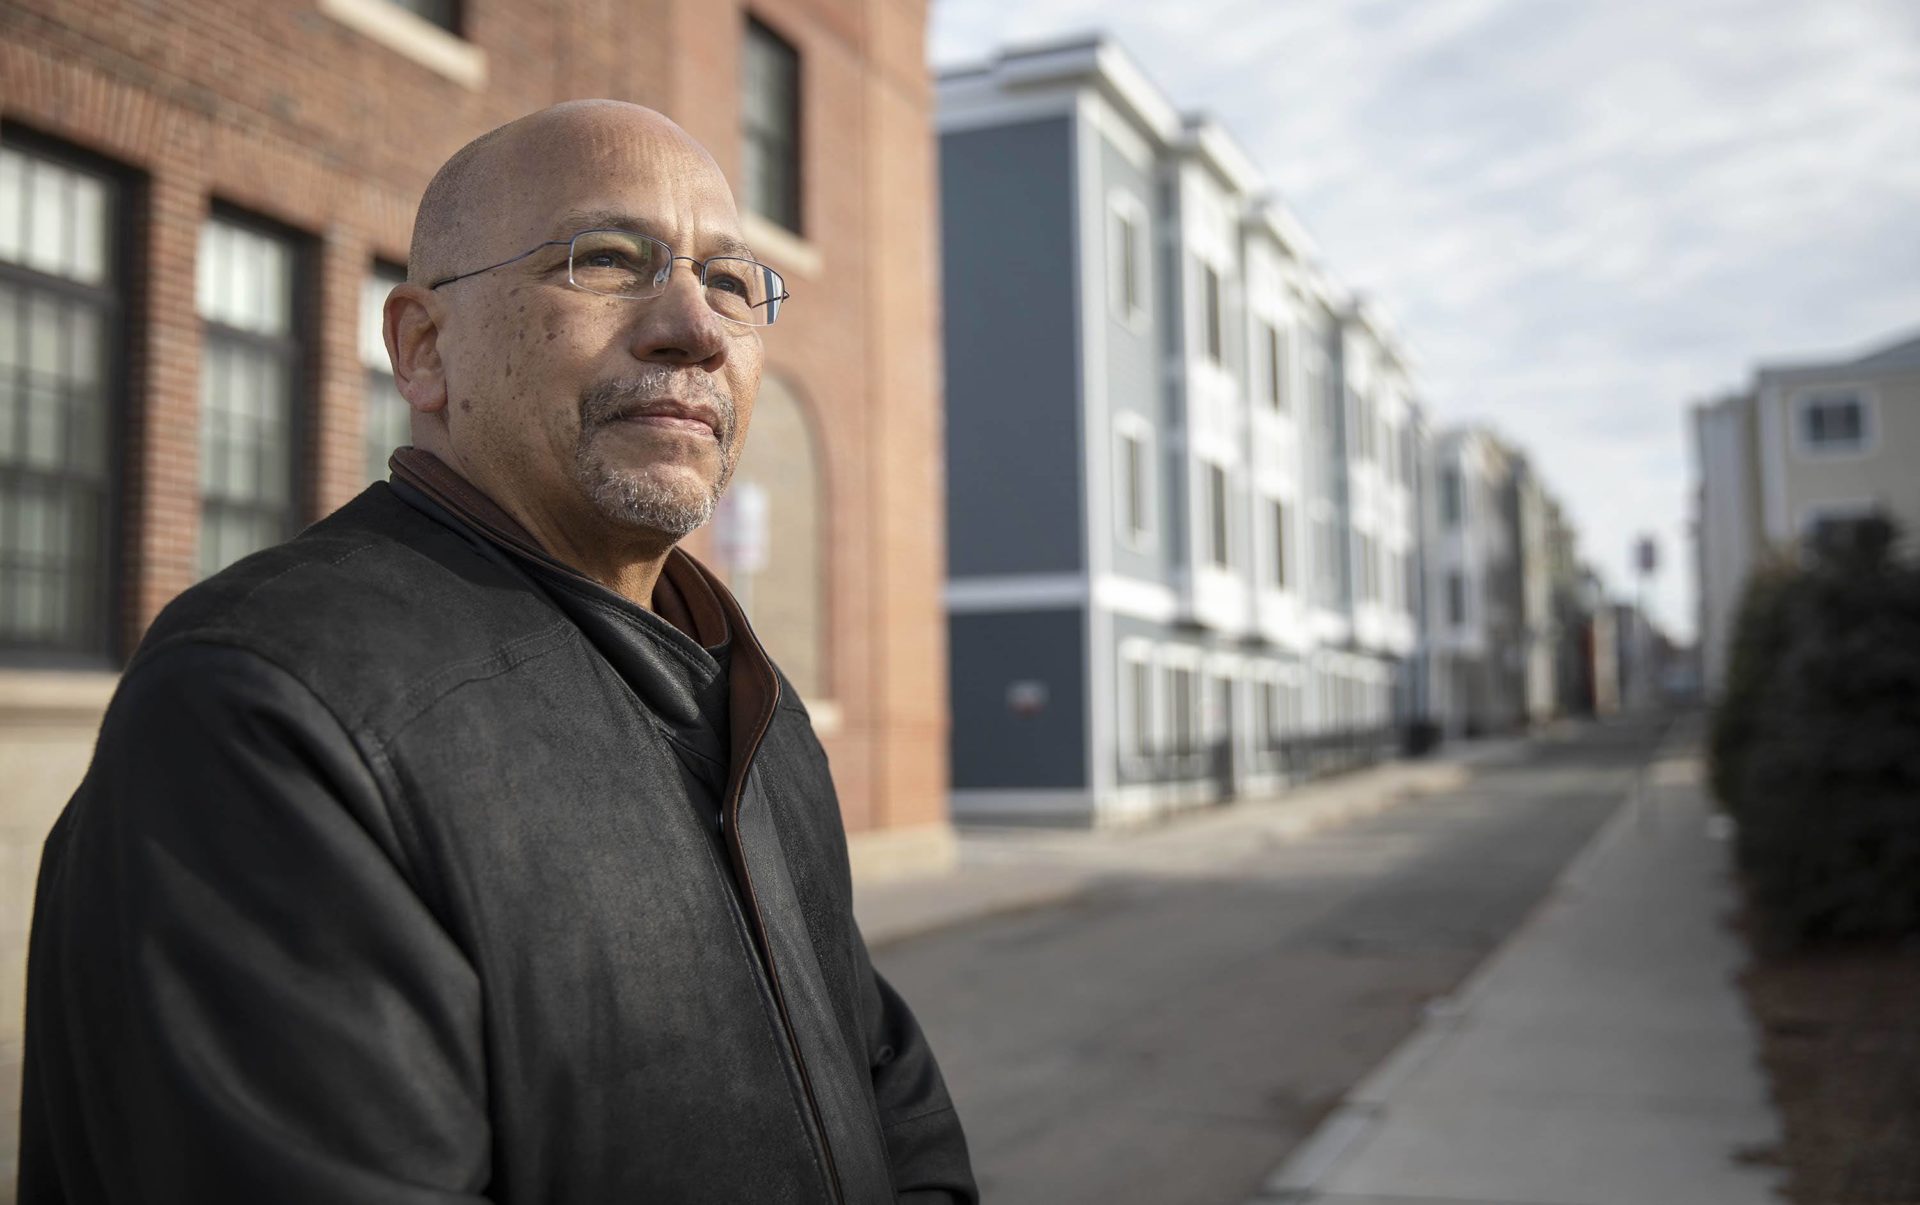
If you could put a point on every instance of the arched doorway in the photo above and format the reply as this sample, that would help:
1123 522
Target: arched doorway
783 588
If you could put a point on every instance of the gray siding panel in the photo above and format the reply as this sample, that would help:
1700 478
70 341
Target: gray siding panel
1012 375
994 747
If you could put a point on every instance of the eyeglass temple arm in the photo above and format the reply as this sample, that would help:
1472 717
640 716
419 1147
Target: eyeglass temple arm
552 242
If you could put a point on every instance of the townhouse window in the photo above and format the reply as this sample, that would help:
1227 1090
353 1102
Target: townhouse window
1325 557
1137 678
1136 507
389 421
1277 517
1217 516
1210 296
1183 731
1276 368
770 109
1456 599
1272 722
249 368
59 329
1450 496
1833 423
1406 581
1127 260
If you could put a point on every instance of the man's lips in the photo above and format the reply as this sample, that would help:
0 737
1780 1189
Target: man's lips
672 416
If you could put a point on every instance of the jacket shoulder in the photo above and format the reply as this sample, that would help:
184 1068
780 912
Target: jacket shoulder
374 604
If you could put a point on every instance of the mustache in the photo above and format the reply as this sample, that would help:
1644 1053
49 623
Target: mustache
607 401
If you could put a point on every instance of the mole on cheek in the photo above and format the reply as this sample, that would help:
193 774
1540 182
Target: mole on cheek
466 405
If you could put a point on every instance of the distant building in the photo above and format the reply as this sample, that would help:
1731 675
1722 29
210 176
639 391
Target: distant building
1476 623
1180 460
1808 447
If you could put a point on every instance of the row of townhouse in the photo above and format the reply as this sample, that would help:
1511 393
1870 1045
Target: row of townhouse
1807 450
1201 541
1183 465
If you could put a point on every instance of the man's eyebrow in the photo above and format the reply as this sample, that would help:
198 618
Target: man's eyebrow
574 221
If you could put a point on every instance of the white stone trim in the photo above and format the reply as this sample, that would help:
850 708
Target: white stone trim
414 36
782 248
1016 592
1135 598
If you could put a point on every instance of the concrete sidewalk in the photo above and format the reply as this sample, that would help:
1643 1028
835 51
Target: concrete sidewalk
1603 1057
1012 870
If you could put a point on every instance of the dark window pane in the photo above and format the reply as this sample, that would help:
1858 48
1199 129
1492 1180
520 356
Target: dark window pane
56 220
248 366
770 110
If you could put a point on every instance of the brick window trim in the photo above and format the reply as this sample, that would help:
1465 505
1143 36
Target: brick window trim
414 37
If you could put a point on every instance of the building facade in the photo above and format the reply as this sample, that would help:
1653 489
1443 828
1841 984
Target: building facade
1180 490
1808 447
202 207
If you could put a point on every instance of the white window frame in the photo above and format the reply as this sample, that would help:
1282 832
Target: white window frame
1125 212
1806 399
1129 425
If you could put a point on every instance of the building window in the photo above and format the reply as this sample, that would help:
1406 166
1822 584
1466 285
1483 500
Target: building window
249 364
771 110
1128 261
1217 516
1136 505
1325 558
1183 732
1833 423
444 13
1136 677
1210 289
1450 496
1276 368
1456 599
59 319
389 419
1277 516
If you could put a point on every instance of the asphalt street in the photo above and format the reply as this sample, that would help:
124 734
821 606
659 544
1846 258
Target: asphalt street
1168 1036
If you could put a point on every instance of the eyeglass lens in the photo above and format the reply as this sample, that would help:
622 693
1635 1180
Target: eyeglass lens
619 263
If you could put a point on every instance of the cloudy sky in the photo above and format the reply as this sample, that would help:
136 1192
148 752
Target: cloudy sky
1583 214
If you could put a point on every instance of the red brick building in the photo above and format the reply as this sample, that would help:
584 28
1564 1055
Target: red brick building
198 205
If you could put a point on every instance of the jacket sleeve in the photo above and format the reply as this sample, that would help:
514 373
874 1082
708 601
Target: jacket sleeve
925 1146
234 993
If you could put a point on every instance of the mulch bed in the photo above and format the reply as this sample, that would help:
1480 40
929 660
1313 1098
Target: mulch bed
1840 1037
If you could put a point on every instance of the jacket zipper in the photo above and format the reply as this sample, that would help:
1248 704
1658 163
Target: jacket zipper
736 850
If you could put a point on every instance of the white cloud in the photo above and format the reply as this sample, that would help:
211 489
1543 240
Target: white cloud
1584 216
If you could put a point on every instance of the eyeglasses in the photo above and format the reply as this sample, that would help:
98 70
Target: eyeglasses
623 263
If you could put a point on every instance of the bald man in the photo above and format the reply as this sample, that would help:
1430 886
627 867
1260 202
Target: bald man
469 847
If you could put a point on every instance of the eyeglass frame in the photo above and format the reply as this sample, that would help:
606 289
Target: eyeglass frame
700 267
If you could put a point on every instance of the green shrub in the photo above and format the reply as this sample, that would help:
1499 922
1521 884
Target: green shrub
1823 768
1761 635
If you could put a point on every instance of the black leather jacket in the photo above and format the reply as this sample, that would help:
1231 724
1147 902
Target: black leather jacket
383 887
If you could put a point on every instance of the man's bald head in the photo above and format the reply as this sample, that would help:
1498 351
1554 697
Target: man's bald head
454 230
606 424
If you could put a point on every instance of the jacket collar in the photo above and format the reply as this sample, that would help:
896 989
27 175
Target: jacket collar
687 595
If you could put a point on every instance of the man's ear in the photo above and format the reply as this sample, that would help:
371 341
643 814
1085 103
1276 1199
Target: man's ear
411 327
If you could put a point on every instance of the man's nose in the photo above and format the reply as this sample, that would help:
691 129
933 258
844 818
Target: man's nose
679 326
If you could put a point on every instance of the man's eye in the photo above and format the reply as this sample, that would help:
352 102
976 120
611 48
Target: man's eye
728 282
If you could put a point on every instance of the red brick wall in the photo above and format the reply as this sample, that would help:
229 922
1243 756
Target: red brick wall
275 107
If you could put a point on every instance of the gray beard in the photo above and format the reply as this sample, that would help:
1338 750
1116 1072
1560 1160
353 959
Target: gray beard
632 497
